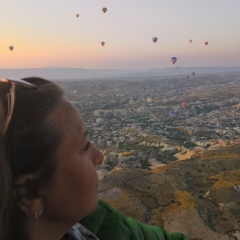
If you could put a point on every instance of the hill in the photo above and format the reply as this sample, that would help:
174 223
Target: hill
199 197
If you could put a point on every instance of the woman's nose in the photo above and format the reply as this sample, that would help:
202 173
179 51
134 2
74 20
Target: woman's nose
97 156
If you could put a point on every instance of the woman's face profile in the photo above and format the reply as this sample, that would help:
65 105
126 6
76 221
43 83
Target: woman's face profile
73 192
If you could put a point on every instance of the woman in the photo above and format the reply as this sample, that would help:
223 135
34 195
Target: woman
48 181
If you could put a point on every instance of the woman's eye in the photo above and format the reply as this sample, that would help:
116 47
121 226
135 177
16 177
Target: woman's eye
87 146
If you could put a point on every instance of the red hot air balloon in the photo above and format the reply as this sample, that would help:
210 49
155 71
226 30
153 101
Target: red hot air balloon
184 104
102 43
206 43
104 9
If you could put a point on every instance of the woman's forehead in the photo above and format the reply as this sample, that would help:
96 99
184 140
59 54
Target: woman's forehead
66 116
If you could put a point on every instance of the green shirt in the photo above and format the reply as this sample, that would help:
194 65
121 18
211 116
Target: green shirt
108 224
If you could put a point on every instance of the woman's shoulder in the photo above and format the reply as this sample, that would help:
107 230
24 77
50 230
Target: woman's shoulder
108 223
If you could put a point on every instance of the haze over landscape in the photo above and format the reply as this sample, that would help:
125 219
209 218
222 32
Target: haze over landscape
84 74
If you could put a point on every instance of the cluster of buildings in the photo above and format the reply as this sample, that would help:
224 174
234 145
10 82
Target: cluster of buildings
150 115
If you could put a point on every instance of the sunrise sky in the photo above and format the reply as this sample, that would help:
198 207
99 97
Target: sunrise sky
48 33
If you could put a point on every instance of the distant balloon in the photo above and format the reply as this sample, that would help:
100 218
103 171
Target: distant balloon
206 43
104 9
184 104
102 43
154 39
190 40
173 60
77 15
172 113
193 74
11 47
187 77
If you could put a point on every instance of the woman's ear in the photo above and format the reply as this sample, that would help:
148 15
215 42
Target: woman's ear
31 207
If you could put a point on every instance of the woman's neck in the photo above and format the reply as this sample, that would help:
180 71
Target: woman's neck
47 231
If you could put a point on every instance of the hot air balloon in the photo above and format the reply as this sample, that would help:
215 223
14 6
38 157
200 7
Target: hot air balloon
193 74
104 9
172 113
173 60
11 48
184 104
77 15
187 77
102 43
154 39
206 43
190 40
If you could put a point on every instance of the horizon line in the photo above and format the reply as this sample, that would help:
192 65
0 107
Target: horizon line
59 67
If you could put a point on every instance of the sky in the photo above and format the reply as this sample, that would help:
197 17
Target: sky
48 33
